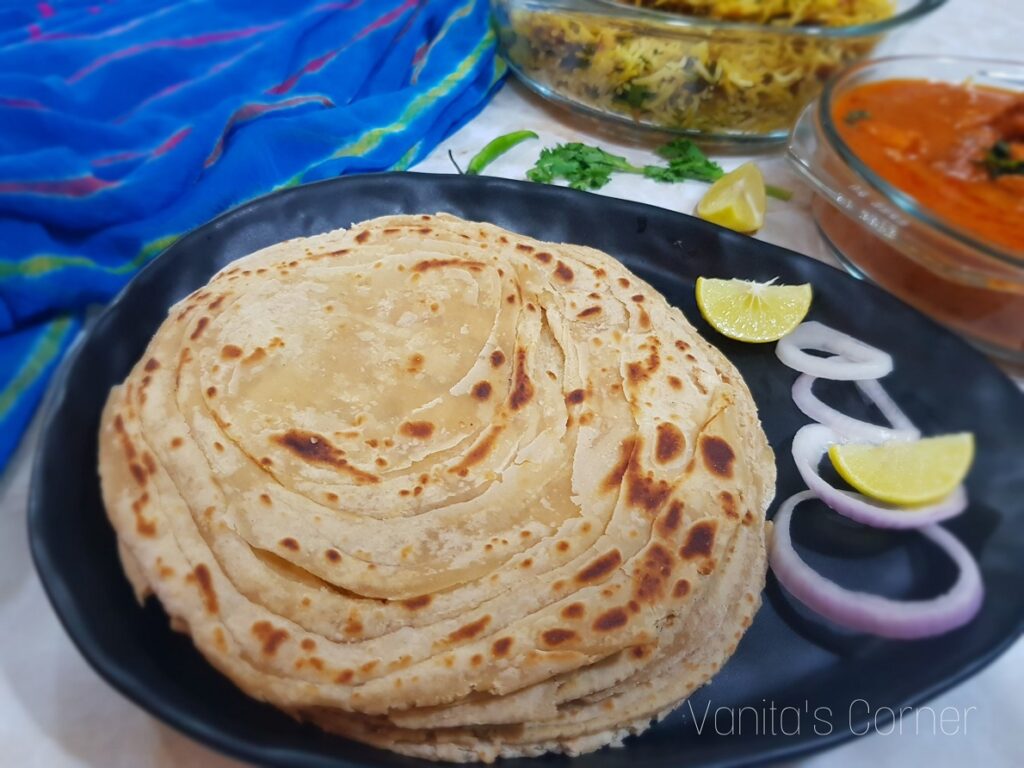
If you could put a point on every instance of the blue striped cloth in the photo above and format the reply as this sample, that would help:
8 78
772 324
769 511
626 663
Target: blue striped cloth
125 123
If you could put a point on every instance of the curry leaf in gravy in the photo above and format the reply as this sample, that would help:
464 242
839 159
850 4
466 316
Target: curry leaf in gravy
856 115
1001 161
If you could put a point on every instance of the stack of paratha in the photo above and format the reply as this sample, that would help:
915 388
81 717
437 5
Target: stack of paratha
443 488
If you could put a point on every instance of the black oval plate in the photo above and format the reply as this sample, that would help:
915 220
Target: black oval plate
838 684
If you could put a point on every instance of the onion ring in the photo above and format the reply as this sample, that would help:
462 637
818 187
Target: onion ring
851 359
809 446
849 427
864 612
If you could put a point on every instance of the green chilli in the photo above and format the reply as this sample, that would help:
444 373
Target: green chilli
495 149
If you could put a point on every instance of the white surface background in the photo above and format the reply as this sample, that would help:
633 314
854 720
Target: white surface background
55 712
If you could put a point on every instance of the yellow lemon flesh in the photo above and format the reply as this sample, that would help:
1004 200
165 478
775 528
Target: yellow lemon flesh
753 312
737 200
907 473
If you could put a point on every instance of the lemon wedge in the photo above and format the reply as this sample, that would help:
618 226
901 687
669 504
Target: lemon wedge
906 473
737 200
753 312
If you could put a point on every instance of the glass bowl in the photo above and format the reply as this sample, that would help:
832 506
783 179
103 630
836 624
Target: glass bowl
880 232
720 81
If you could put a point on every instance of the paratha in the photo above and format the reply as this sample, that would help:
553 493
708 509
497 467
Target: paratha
443 488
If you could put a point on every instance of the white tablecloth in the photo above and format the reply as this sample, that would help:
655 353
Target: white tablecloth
55 712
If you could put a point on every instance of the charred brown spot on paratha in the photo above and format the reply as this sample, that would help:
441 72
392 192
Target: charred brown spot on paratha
651 579
152 364
668 522
613 480
501 646
308 644
644 320
289 543
563 272
416 603
522 387
600 568
428 264
482 390
201 324
328 254
718 455
415 364
576 397
344 677
143 525
700 540
524 247
543 257
353 626
255 356
363 236
589 312
675 382
609 621
469 631
669 444
138 473
574 611
317 449
497 358
643 489
558 636
333 555
201 577
127 446
420 430
640 652
728 504
642 370
478 452
681 589
231 351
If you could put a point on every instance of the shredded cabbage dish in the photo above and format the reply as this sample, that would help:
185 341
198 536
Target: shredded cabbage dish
702 79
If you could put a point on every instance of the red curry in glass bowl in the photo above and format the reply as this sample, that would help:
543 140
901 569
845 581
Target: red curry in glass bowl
919 165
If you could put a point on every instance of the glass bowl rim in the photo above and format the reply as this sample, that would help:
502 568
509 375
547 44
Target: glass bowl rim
893 194
918 9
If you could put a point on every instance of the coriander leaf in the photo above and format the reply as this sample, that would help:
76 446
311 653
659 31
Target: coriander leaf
583 166
685 161
634 95
587 167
